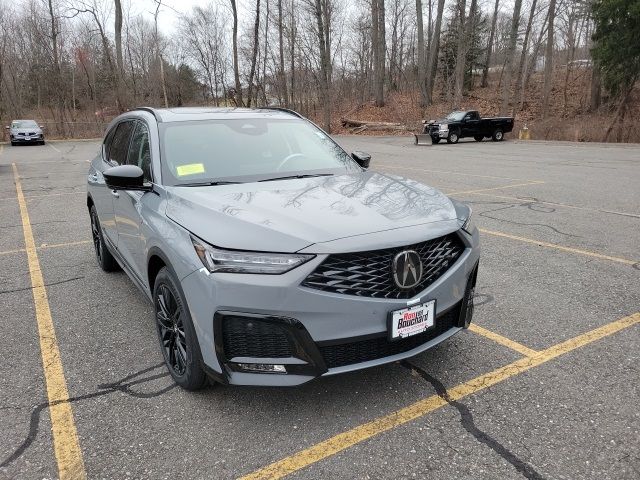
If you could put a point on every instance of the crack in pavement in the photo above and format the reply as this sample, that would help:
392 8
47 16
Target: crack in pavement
73 279
467 421
103 389
529 205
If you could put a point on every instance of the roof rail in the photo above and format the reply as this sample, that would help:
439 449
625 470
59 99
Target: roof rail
282 109
150 110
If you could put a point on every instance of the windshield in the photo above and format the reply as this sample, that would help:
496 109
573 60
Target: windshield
247 150
456 116
24 124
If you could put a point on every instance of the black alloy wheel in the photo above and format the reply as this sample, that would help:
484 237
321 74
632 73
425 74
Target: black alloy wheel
176 333
171 330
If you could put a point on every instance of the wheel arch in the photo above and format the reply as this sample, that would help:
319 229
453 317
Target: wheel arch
156 260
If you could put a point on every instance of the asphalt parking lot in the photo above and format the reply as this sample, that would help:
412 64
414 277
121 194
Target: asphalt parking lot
545 385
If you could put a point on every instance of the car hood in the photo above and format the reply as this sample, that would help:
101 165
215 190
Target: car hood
289 215
36 130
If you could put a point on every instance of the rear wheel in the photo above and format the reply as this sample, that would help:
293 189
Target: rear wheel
498 135
176 333
435 139
478 138
453 137
103 255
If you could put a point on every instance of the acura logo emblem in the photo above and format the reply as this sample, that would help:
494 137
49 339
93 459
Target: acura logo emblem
407 269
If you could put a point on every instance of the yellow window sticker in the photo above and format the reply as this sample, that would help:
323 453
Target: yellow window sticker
190 169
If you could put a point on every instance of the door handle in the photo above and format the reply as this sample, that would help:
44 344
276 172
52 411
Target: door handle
115 193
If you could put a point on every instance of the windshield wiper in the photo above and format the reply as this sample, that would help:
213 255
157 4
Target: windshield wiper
207 184
288 177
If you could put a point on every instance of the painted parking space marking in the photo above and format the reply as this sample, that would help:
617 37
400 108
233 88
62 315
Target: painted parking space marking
65 436
345 440
513 185
577 251
56 149
47 245
556 204
400 167
504 341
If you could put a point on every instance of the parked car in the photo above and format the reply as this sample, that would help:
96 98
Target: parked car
25 131
271 256
461 124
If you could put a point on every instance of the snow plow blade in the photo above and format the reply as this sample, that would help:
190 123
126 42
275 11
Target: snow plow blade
423 139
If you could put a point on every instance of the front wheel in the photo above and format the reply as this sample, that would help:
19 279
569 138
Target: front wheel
478 138
453 137
176 333
435 139
498 135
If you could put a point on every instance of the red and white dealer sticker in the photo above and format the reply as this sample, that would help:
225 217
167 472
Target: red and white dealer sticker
412 320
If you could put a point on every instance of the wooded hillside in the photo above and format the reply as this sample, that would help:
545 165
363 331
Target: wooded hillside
567 68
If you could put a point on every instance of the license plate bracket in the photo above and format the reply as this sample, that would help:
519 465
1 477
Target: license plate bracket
409 321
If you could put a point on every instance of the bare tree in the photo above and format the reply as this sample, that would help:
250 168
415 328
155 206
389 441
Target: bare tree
513 38
433 53
236 67
378 44
254 55
523 58
548 61
421 57
282 74
492 33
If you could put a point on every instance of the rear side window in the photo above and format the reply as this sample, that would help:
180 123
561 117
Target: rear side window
118 145
140 152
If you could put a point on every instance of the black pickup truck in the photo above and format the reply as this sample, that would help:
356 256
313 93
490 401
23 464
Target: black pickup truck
460 124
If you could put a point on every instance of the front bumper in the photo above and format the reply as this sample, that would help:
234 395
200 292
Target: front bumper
326 333
30 139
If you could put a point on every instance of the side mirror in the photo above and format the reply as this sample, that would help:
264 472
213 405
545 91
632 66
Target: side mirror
126 177
363 159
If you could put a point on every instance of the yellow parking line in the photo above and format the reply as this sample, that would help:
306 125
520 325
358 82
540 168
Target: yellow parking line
559 247
460 192
557 204
450 172
359 434
504 341
65 436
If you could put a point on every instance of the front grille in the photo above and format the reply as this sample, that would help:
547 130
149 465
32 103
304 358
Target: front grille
247 337
380 347
369 274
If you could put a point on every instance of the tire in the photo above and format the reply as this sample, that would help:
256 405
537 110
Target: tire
498 135
42 142
453 137
13 144
176 334
106 261
435 140
478 138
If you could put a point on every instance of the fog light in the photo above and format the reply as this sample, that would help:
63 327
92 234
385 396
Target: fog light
262 367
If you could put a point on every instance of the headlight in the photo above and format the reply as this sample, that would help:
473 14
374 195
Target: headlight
444 126
234 261
468 224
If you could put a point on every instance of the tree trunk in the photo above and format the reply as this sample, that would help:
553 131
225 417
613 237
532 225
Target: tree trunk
58 68
513 38
548 62
421 57
596 88
378 47
460 55
236 67
119 58
283 78
492 34
523 58
324 64
254 55
433 53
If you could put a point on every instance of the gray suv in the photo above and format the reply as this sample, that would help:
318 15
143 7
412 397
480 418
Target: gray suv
271 256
